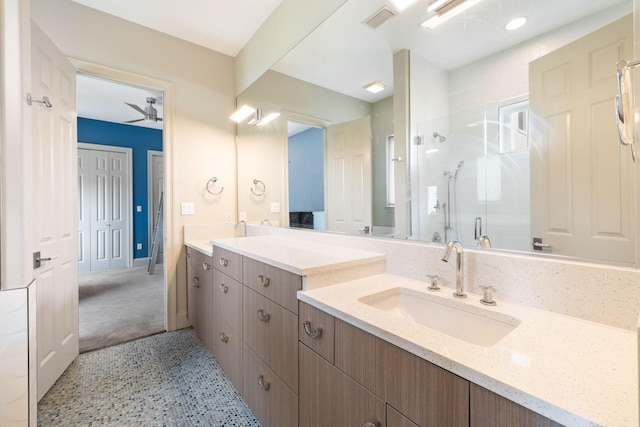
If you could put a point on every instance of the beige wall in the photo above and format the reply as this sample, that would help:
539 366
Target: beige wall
203 87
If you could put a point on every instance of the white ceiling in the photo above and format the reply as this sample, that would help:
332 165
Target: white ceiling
342 54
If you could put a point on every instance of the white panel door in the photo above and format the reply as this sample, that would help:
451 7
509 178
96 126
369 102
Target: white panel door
105 199
581 177
55 209
84 210
348 195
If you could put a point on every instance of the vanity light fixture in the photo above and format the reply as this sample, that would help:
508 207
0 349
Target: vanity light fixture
516 23
445 10
268 118
242 113
375 87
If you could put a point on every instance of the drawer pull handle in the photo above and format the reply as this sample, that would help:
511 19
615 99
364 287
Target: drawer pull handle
224 338
263 317
370 424
263 385
264 281
224 288
224 262
196 282
206 265
312 334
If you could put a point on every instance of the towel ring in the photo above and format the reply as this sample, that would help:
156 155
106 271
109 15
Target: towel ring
257 183
213 181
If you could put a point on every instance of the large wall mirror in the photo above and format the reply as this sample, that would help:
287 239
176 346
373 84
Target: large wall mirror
493 137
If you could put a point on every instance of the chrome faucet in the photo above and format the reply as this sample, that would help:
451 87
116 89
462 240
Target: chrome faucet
244 227
445 257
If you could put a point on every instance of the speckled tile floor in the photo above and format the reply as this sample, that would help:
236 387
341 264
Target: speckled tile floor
169 379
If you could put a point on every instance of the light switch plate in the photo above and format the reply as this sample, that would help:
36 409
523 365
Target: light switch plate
138 208
275 207
188 208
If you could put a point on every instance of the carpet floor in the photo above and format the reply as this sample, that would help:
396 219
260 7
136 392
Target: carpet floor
168 379
117 306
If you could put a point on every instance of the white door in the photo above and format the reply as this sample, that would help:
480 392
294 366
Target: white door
581 177
348 193
156 187
103 227
55 213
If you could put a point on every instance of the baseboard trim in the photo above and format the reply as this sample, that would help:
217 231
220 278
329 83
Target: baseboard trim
140 262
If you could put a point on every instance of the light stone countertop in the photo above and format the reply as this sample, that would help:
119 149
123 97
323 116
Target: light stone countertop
577 373
300 257
200 245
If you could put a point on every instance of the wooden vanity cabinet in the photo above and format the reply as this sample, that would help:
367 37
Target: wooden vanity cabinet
490 410
396 419
200 295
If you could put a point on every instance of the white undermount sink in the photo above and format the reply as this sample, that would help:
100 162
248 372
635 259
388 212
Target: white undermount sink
473 324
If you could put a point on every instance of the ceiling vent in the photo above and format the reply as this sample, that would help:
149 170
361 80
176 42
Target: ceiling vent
380 17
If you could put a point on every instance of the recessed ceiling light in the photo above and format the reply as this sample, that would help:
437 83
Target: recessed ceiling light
375 87
515 23
402 4
242 113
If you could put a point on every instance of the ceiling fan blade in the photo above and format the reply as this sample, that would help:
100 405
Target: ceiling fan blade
135 107
133 121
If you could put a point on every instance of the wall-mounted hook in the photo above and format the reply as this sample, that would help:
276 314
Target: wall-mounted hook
212 183
259 185
45 100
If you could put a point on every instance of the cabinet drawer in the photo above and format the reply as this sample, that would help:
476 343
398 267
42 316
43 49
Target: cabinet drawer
489 409
316 330
272 402
276 284
227 349
396 419
328 397
423 392
228 262
272 333
227 300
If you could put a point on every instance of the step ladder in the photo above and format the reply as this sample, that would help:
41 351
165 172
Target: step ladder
157 238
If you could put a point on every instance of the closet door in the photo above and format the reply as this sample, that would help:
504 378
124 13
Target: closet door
84 210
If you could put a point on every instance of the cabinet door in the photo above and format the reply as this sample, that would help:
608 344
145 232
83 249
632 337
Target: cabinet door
356 354
227 300
272 402
276 284
330 398
316 330
396 419
423 392
193 286
205 302
227 349
489 409
272 332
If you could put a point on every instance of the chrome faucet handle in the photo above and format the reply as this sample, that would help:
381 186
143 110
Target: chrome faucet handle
487 298
434 286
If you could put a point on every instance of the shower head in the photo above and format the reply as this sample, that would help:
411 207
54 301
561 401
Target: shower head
439 137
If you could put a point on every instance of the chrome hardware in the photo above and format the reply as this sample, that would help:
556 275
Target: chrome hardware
224 288
445 257
487 299
260 187
538 245
263 317
370 424
196 282
264 281
224 262
224 338
213 181
263 385
312 334
624 104
477 229
484 241
434 282
244 227
206 265
45 100
37 259
265 222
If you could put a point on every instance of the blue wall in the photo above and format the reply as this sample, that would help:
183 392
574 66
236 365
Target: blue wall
306 171
140 140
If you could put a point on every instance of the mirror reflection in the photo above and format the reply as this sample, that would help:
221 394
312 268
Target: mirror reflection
483 135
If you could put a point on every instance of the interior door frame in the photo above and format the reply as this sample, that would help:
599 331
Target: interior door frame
150 212
171 252
129 154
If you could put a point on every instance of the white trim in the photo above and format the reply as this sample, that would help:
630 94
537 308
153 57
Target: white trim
150 213
141 262
171 253
129 152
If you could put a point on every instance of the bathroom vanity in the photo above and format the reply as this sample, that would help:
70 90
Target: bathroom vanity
326 337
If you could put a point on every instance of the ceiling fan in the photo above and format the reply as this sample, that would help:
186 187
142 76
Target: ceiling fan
149 112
